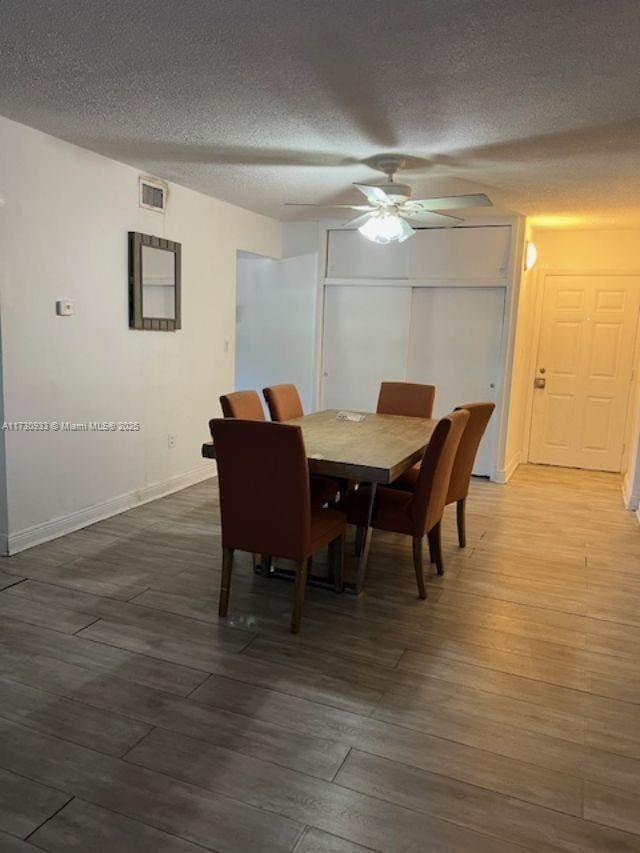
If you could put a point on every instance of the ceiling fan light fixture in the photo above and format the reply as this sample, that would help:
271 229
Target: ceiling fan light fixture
385 228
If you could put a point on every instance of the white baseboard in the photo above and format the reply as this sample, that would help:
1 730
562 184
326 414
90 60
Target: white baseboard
503 475
38 533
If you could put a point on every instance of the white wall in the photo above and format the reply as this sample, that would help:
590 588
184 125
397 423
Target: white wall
63 234
4 524
276 315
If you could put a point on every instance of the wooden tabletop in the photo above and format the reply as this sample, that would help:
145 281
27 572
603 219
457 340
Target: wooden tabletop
376 450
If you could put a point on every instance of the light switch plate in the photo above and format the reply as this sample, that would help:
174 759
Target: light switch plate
65 307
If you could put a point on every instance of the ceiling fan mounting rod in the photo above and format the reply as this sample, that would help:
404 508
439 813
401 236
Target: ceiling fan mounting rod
390 165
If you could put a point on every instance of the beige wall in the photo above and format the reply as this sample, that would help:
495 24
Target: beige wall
587 250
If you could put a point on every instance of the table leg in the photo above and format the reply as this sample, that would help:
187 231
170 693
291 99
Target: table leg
366 542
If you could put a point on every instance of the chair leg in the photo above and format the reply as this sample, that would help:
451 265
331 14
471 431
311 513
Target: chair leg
225 583
417 565
462 525
265 561
336 561
360 534
435 548
298 603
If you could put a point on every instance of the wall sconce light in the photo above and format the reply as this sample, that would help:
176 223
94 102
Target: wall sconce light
530 255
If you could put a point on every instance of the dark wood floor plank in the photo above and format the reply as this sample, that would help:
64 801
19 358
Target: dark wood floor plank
214 821
25 804
86 574
201 653
107 695
83 827
45 712
476 765
10 844
177 678
325 806
273 618
7 579
513 821
43 615
93 607
316 841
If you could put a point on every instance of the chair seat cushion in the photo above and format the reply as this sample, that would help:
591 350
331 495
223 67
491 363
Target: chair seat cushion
323 490
392 509
326 525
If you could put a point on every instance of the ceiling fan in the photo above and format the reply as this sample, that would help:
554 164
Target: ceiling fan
390 208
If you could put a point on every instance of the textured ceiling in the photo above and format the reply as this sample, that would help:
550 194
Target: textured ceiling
265 101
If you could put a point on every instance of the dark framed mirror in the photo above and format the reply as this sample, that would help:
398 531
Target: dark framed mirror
154 283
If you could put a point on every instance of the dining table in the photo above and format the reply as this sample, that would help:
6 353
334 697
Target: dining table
361 447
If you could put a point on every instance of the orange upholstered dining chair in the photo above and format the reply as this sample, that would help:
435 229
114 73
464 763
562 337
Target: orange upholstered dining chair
406 398
479 416
242 404
284 404
418 512
265 503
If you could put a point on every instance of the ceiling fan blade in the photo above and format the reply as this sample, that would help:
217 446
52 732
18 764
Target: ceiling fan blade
453 202
348 206
358 221
375 195
427 217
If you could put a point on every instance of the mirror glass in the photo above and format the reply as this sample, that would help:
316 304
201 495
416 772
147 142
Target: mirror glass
158 283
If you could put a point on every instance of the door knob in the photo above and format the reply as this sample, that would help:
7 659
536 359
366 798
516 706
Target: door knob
539 382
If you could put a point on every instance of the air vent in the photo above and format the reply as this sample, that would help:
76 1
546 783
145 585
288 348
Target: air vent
153 194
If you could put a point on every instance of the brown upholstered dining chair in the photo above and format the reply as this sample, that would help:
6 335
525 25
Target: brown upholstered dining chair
418 512
242 404
479 416
265 503
284 404
406 398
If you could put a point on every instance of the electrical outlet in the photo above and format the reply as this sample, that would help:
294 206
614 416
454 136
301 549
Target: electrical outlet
171 440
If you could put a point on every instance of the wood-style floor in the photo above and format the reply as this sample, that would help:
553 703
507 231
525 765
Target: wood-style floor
502 714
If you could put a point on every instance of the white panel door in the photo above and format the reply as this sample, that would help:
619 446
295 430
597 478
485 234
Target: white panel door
473 253
585 361
366 333
455 344
350 255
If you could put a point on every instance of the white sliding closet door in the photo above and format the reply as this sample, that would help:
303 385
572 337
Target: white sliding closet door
366 335
455 343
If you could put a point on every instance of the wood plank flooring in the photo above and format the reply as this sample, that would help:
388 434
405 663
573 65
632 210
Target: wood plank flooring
502 714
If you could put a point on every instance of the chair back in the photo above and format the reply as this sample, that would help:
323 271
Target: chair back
406 398
479 416
284 402
242 404
263 477
431 487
